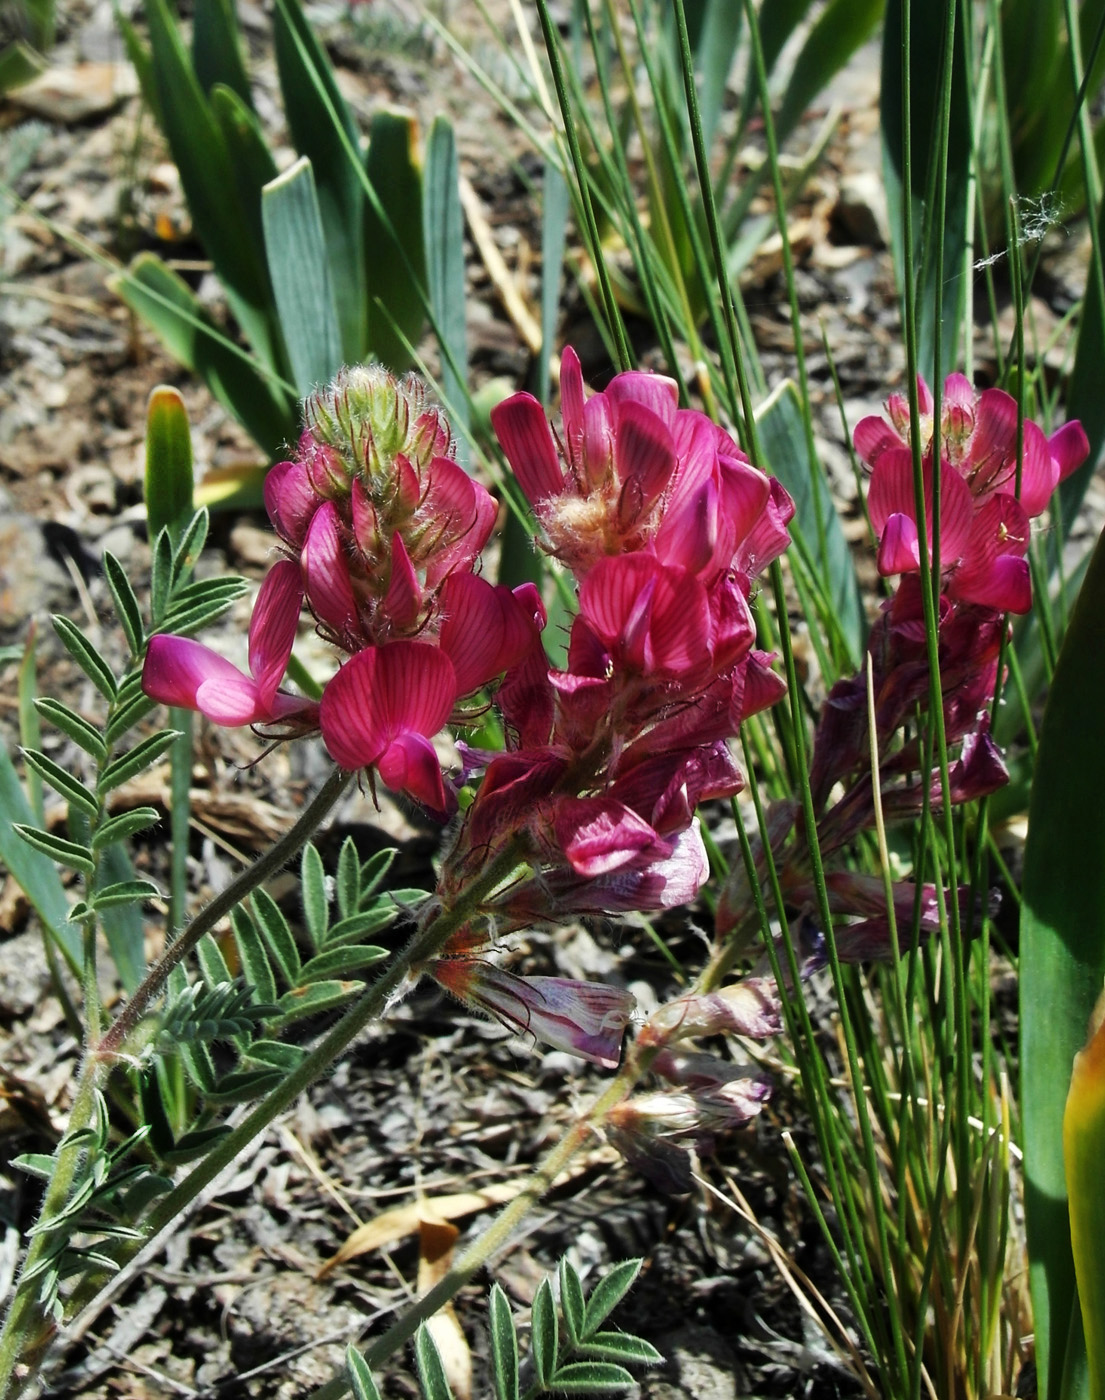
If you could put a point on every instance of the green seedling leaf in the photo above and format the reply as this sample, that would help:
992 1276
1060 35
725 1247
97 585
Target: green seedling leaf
431 1372
253 392
296 250
39 1164
571 1301
360 1377
395 258
128 765
62 781
340 962
251 950
319 996
86 656
1062 953
124 826
620 1346
543 1340
169 478
126 604
608 1293
68 853
443 238
591 1378
1084 1152
504 1346
313 894
323 130
217 48
278 937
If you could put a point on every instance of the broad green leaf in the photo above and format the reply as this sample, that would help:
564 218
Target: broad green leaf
840 29
323 130
169 480
83 734
360 1377
943 304
217 47
1084 1152
374 869
207 176
249 154
443 237
32 869
544 1343
1084 398
195 1144
779 420
300 274
504 1346
431 1371
715 47
170 308
395 259
1062 953
276 1054
608 1293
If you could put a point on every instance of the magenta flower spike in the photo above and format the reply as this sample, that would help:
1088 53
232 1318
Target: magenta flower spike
587 1019
382 709
185 673
485 630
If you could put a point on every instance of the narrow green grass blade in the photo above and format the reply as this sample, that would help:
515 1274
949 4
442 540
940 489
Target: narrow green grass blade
167 304
395 258
296 248
1062 957
35 874
945 303
783 439
715 48
249 155
305 75
443 237
217 48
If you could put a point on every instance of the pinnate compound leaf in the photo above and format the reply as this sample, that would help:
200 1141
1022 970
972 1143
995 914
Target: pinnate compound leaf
591 1378
608 1293
68 853
62 781
431 1372
1062 953
571 1300
86 736
360 1377
86 656
544 1340
504 1346
129 765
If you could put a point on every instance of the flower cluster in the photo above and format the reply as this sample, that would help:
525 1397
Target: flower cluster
663 523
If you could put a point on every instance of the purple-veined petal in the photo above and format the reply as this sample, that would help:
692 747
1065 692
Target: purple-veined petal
273 626
526 439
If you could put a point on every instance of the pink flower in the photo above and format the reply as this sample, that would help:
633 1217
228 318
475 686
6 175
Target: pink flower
182 672
584 1018
382 709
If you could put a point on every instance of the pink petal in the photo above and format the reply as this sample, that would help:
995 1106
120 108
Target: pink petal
872 437
899 548
891 489
1039 473
273 626
409 764
1006 586
1069 447
176 669
460 515
382 693
526 439
598 441
992 462
485 630
762 686
290 500
654 391
959 392
689 535
329 590
768 537
598 834
572 401
644 457
403 600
